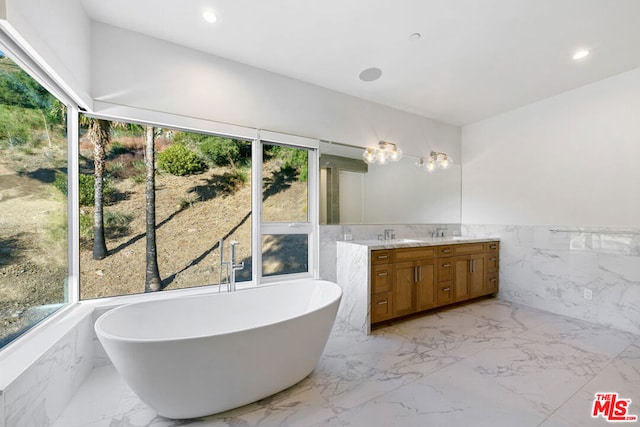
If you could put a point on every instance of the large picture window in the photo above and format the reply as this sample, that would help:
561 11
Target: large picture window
33 202
202 195
201 188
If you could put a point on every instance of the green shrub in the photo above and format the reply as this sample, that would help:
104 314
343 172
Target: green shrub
219 151
86 190
294 160
179 160
60 182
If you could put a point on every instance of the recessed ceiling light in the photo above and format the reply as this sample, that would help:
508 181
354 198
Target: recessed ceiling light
580 53
370 74
415 37
210 16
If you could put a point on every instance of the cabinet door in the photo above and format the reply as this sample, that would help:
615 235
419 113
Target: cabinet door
426 295
476 276
461 279
404 277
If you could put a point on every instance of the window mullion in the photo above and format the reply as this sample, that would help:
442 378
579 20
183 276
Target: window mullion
256 216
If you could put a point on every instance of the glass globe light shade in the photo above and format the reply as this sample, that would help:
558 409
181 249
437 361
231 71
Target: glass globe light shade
369 156
431 165
382 157
395 154
445 162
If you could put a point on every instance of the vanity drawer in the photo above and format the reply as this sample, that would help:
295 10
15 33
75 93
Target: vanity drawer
445 293
492 262
413 254
445 270
381 307
493 246
492 283
445 251
380 278
468 248
380 257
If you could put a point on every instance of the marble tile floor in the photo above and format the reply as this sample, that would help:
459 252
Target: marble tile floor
487 363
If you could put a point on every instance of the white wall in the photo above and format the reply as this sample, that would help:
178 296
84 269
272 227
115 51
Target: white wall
139 71
569 159
57 35
558 182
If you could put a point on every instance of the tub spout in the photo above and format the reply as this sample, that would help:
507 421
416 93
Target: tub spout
234 266
230 266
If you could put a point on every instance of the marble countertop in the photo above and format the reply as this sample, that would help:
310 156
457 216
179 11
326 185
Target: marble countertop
425 241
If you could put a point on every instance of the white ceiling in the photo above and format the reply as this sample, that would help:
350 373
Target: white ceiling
475 59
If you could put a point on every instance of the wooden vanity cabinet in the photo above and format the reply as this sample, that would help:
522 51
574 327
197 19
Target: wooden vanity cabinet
381 295
405 281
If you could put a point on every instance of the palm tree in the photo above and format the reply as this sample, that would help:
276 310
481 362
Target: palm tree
99 135
152 277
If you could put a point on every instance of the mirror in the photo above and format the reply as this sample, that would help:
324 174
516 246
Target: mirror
352 192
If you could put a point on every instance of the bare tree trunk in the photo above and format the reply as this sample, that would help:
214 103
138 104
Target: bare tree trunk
152 277
99 135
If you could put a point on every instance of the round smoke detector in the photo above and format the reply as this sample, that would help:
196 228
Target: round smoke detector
370 74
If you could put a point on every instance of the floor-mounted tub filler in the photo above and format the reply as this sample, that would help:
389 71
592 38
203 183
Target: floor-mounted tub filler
199 355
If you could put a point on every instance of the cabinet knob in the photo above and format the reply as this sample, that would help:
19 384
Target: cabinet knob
447 265
446 251
382 302
493 246
382 274
383 256
446 289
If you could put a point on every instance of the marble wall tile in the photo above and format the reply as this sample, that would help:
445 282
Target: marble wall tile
550 270
38 396
2 417
353 278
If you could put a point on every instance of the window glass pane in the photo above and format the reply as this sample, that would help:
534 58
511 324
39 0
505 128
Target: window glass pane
284 184
33 202
202 195
285 254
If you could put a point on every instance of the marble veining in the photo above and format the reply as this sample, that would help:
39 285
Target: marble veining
550 267
41 393
490 363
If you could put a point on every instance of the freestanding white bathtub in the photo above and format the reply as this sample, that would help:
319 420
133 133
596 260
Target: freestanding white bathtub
193 356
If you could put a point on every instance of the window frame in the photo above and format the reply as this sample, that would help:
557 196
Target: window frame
22 55
310 227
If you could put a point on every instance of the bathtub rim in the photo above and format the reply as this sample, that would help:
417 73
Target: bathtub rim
100 332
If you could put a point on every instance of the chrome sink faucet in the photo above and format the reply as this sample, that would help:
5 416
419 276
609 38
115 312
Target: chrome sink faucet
231 266
389 234
439 232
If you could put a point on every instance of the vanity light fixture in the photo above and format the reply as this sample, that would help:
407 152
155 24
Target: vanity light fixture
381 154
435 160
